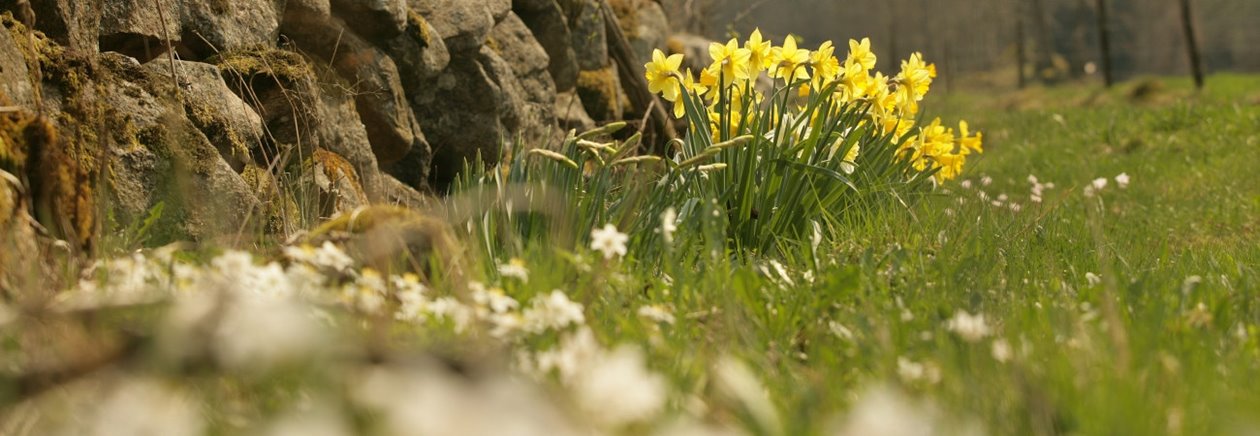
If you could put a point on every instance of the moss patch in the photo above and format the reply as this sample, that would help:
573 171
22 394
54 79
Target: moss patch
58 153
287 66
418 28
598 90
627 12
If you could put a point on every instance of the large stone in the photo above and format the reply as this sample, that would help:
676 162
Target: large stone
601 94
158 157
228 122
531 86
299 12
343 133
72 23
383 105
546 21
645 26
589 37
467 123
213 26
281 87
141 29
376 20
570 114
15 78
420 54
463 24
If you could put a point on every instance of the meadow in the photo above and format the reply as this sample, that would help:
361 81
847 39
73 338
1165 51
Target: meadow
1093 272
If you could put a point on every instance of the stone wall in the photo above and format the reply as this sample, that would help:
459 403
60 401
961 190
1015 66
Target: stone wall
273 114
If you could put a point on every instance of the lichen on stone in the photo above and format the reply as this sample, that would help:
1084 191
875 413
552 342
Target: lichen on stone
285 65
598 90
627 12
418 28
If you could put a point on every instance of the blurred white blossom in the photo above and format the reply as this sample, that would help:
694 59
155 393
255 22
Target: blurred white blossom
609 241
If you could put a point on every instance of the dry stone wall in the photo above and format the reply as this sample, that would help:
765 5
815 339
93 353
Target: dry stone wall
243 115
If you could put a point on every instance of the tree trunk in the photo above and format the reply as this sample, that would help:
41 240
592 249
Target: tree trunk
1104 43
1021 58
1192 45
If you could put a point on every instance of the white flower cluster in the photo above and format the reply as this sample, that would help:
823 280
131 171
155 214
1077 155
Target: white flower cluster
1096 186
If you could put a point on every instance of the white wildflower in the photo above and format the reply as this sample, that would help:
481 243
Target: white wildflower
911 371
263 330
515 268
146 407
327 255
669 225
986 181
450 309
840 331
888 412
617 388
1190 283
1099 183
505 325
966 184
968 327
1122 180
554 311
1092 279
609 241
1001 351
575 351
657 313
493 299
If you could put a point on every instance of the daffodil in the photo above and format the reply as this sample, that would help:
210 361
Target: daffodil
787 61
855 81
826 66
916 76
663 76
691 87
968 143
731 59
860 53
759 51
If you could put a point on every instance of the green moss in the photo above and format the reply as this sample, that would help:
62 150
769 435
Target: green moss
627 12
598 90
418 28
285 65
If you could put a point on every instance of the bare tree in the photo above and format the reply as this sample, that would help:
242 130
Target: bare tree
1192 45
1104 42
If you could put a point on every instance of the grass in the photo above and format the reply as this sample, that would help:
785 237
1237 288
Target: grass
1134 311
1132 354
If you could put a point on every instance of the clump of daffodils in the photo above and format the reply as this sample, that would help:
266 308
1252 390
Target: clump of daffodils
726 95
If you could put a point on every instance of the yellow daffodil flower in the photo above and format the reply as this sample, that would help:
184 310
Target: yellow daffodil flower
690 86
732 59
860 52
663 76
826 66
968 143
787 61
759 51
916 76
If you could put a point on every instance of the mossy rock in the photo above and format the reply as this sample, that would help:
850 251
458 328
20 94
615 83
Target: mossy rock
600 91
395 239
57 153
